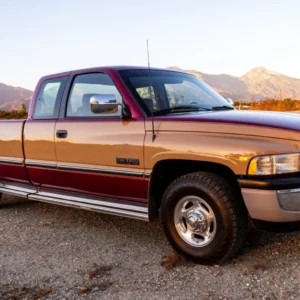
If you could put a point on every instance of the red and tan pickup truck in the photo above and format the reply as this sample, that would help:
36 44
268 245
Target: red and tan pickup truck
143 143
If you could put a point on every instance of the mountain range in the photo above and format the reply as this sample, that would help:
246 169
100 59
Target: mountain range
13 97
255 85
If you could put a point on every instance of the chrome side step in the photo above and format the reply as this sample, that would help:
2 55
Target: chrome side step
107 206
16 190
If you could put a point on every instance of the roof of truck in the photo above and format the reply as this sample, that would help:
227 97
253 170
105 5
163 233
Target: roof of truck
105 69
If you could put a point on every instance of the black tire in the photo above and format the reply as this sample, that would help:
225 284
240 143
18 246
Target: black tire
228 208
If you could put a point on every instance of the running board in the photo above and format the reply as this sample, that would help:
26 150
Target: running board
107 206
15 190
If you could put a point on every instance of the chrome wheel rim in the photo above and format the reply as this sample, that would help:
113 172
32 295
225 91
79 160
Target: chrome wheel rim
195 221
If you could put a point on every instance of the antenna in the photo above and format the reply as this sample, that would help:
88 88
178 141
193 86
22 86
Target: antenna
150 93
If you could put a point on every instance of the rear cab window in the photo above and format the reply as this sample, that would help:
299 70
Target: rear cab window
48 98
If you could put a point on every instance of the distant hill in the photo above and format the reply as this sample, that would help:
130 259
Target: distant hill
13 97
265 83
257 84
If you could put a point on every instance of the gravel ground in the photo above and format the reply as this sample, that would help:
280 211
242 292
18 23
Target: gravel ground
53 252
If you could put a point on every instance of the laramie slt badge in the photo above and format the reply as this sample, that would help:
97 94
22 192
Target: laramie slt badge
128 161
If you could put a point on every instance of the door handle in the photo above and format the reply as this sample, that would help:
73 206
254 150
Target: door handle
61 134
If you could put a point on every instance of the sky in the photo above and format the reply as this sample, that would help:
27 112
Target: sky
214 36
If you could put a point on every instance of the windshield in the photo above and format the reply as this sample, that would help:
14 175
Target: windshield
168 90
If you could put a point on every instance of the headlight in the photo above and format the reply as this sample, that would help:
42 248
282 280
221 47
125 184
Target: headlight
274 164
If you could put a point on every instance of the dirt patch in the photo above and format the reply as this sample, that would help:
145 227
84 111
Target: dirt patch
98 271
102 286
260 266
173 260
24 293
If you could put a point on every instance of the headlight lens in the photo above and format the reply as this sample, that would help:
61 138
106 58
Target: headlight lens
274 164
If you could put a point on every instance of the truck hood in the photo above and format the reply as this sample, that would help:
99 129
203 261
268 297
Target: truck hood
258 123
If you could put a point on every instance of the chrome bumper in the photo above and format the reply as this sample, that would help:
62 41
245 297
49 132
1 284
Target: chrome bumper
273 205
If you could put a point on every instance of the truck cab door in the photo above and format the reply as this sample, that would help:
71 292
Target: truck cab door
99 155
39 147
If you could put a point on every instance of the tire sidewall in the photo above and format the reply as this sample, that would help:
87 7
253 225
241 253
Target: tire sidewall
223 233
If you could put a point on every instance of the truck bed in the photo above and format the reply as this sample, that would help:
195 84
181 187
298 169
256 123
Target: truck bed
11 151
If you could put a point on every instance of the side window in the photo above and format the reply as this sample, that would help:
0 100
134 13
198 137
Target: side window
148 96
84 87
48 99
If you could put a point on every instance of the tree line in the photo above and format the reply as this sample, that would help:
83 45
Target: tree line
21 113
270 104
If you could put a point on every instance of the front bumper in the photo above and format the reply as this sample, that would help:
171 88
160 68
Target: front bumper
274 200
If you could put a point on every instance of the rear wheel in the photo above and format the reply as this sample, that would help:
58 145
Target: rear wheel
203 217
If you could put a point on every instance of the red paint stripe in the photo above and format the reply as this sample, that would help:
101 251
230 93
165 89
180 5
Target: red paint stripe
13 173
94 184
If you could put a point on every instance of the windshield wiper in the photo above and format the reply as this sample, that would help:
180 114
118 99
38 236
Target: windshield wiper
181 108
224 107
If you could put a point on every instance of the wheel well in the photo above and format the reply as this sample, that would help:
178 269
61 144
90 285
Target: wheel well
166 171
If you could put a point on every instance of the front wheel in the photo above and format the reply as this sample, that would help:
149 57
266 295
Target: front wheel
203 218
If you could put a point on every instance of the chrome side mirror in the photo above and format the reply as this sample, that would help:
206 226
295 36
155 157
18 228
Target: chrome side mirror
104 104
107 104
